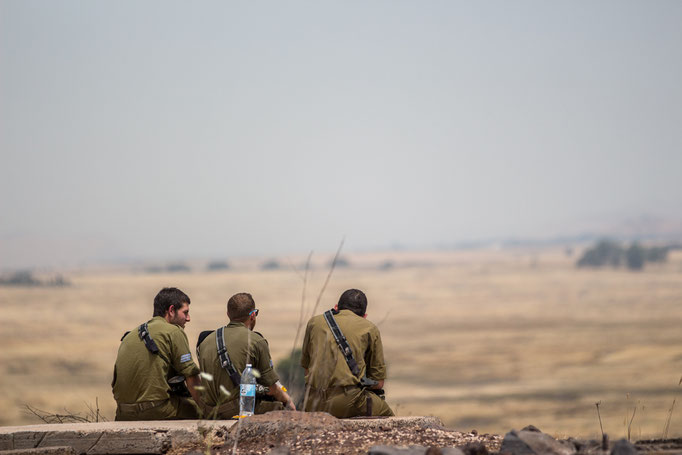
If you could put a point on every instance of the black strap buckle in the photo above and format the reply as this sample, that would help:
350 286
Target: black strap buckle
143 332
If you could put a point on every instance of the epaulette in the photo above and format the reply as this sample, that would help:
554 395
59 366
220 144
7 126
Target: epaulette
261 335
124 335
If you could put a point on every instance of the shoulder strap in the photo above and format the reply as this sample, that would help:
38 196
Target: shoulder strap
342 342
202 337
225 361
143 332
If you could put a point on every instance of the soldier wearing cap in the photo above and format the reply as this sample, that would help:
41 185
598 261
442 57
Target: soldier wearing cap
331 385
149 356
241 345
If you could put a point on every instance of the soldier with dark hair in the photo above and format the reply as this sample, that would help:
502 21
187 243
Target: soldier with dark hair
343 360
224 354
149 356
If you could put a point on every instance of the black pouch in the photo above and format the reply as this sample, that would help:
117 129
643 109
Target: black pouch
178 387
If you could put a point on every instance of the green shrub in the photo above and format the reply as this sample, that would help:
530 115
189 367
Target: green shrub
292 375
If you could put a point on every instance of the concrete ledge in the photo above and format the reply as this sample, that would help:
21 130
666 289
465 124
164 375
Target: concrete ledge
105 437
43 451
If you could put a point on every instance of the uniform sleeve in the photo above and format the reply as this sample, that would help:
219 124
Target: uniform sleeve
264 365
376 366
305 351
181 356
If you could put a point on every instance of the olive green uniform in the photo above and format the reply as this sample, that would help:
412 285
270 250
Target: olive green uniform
238 338
331 387
140 383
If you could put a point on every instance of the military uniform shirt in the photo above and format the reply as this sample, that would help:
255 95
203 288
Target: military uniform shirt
322 356
140 375
237 337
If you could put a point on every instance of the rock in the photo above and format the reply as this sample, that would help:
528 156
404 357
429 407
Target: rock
452 451
534 442
413 450
531 428
623 447
397 450
475 448
281 450
514 445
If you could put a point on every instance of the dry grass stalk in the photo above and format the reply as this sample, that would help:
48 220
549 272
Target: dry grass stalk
666 428
599 415
329 275
301 314
631 419
92 416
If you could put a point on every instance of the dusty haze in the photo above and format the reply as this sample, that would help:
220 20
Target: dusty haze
167 130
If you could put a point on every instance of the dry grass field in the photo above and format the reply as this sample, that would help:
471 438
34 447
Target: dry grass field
490 340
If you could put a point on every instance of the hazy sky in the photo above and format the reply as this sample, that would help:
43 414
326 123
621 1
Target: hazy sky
213 129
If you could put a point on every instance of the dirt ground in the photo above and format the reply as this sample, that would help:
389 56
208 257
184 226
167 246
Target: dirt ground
320 433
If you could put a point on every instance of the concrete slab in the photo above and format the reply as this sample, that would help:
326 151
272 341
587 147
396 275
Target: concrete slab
41 451
103 438
107 426
27 439
6 441
80 441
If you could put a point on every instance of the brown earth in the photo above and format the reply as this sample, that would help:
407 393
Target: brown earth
320 433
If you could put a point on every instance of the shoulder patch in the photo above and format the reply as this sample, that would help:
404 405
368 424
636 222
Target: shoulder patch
185 358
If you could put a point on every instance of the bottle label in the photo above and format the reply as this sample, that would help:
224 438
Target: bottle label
247 390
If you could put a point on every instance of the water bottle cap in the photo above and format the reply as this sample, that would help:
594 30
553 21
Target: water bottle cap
248 365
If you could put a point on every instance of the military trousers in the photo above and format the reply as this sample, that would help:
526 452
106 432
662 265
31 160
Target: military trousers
173 408
345 402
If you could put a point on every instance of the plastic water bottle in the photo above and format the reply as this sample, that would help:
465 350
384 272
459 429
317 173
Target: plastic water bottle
247 392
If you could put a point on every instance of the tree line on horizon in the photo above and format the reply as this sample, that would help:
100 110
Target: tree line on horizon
609 253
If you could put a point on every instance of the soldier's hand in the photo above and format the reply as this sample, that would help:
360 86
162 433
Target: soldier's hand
290 405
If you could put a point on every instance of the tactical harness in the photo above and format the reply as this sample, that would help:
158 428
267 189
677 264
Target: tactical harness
342 342
365 382
176 383
143 332
228 366
225 361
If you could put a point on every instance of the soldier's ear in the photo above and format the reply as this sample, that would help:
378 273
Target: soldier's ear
336 307
365 316
171 310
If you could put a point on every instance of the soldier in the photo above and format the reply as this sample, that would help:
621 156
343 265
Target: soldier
149 356
224 354
344 385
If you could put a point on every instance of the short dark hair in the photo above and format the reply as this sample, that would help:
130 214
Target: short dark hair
239 306
168 297
354 300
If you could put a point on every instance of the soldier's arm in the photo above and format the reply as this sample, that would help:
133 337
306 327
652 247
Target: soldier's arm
379 384
376 366
192 382
305 355
280 395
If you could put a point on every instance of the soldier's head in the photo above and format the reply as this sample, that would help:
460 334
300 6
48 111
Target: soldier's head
354 300
242 308
173 305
